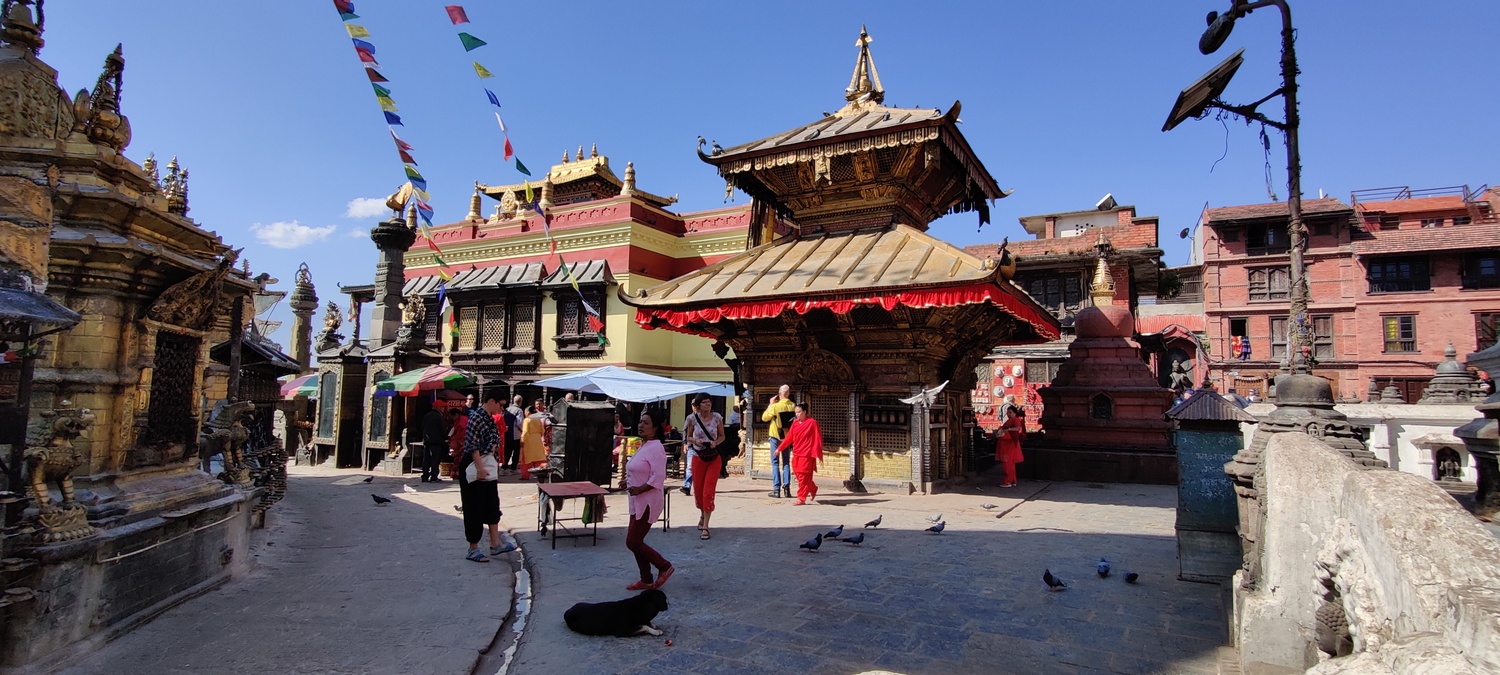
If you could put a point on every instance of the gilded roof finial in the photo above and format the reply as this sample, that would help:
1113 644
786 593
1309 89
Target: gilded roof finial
629 187
411 215
174 188
19 29
546 199
579 156
565 156
594 150
1103 288
864 85
474 204
149 165
106 126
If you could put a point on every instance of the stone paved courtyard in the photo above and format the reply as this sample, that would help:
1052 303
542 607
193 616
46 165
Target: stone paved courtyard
343 586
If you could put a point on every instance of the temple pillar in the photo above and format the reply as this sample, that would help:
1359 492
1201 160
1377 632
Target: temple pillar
304 302
393 237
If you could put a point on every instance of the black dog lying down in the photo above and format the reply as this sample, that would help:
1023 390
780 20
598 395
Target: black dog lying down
621 618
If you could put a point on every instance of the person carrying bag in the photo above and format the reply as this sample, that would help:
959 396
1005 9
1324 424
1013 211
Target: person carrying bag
704 430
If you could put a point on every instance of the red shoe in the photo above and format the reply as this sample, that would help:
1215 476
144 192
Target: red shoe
639 586
663 576
799 503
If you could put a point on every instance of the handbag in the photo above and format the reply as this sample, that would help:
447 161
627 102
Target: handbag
707 453
490 466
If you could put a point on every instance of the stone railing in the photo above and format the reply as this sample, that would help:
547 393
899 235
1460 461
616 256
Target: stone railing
1379 567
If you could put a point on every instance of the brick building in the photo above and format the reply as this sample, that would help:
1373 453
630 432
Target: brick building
1055 268
1393 277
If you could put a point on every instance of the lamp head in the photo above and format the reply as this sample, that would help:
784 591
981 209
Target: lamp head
1219 26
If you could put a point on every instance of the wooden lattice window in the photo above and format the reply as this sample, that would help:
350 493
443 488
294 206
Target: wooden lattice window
1323 338
886 440
569 316
169 417
1269 283
523 326
380 411
468 327
492 329
1279 335
832 413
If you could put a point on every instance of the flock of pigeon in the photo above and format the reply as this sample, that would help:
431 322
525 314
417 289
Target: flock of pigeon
937 527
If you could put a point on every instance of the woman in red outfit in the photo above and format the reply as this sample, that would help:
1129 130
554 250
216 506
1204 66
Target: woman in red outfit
1008 446
806 440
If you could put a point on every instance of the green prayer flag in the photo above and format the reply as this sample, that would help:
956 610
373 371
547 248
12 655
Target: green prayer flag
381 91
471 43
522 167
481 71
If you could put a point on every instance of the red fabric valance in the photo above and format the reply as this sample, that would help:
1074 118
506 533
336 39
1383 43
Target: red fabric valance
682 320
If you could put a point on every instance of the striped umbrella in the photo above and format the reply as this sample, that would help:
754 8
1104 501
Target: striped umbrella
307 385
411 382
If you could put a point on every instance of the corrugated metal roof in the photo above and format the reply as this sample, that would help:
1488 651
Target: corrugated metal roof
584 271
35 308
478 278
1208 405
845 262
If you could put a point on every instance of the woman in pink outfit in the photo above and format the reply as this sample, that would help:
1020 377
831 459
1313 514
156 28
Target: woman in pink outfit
806 439
645 475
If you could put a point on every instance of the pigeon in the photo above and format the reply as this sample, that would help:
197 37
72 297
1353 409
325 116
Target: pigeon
938 528
934 519
987 506
458 508
1053 583
408 488
716 149
814 543
1130 577
874 523
701 142
368 479
1103 568
379 500
856 539
835 533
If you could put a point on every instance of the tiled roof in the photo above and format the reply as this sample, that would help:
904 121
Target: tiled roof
1208 405
1273 210
1416 205
478 278
584 272
1456 238
847 122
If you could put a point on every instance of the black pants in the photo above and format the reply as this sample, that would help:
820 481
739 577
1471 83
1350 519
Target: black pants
481 501
512 453
432 456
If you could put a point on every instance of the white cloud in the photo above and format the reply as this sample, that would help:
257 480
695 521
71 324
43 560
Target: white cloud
365 207
291 234
357 234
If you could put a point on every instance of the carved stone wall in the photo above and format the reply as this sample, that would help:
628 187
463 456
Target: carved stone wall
1383 563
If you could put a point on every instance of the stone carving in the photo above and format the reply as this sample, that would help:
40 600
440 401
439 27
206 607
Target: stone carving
1181 378
412 335
1349 617
225 435
51 457
1453 383
330 338
198 301
413 311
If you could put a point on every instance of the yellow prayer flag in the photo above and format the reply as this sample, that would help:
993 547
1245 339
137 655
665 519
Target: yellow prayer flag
444 275
480 71
386 104
356 31
528 192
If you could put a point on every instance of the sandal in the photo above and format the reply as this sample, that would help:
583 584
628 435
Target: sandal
640 586
662 576
703 533
498 550
476 556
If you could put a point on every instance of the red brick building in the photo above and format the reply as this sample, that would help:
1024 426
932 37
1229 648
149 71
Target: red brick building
1393 277
1055 269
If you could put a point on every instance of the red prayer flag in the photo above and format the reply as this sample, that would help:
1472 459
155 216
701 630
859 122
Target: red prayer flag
366 55
509 152
344 6
406 157
456 14
400 143
375 75
595 324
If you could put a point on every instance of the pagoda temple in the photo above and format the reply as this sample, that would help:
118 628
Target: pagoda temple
845 296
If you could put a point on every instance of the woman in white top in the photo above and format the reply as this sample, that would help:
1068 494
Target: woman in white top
645 476
704 431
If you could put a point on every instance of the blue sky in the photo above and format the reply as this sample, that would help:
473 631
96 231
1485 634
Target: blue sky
266 103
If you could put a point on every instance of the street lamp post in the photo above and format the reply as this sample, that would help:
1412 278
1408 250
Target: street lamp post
1219 26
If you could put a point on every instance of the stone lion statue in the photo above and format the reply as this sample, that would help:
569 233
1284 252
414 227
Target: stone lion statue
51 458
225 435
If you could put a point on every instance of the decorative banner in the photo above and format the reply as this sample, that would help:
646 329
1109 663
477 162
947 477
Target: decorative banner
456 14
481 71
471 43
495 100
356 31
522 167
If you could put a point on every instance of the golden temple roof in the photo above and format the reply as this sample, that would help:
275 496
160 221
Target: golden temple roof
855 262
596 166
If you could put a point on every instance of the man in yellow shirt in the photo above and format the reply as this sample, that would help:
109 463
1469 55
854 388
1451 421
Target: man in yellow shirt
778 413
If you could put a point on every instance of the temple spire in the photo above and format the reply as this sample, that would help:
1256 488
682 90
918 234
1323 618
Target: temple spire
864 85
18 26
1102 290
629 187
474 204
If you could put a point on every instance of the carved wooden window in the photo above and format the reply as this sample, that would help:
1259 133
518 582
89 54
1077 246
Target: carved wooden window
569 316
523 326
492 331
575 336
468 327
1269 283
169 418
432 325
1042 372
1323 337
328 403
1400 275
1482 270
1400 333
886 440
1062 295
832 413
380 411
1101 407
1278 337
1484 330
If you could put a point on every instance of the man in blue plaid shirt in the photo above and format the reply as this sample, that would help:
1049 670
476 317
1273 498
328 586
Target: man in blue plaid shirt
481 497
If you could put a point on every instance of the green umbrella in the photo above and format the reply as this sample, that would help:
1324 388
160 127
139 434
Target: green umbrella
431 378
